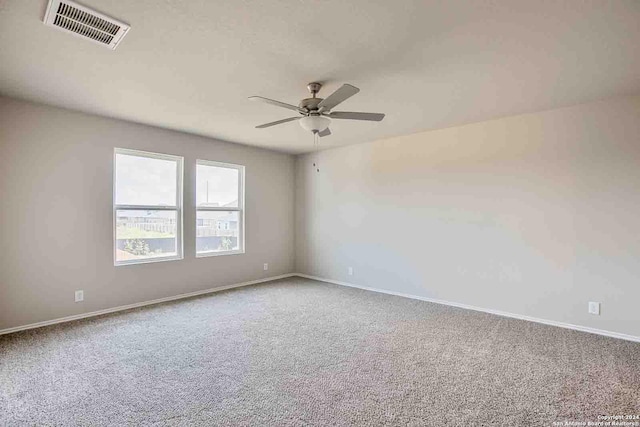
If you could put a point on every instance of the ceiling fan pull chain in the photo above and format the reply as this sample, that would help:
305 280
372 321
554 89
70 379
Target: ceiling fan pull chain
315 151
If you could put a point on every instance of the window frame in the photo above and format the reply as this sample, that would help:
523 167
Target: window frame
240 208
178 208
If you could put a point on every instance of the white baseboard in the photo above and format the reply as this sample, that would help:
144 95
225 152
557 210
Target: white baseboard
484 310
139 304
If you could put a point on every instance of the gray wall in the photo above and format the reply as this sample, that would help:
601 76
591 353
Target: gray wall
56 227
534 215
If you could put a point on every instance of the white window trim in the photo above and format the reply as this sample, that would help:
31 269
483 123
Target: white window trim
239 209
177 208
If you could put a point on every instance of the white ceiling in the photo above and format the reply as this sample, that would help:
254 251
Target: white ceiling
190 65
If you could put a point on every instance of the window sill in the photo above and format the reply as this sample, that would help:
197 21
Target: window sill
212 253
147 261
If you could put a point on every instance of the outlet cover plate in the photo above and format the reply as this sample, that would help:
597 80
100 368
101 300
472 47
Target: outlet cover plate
79 295
594 308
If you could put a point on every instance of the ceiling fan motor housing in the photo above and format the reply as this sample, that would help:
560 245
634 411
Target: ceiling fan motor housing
310 104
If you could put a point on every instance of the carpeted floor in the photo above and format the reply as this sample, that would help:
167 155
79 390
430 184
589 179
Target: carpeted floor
301 352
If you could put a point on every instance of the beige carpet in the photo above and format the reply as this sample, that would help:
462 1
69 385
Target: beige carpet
301 352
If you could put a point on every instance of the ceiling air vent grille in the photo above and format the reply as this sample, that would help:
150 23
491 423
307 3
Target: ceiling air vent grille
81 21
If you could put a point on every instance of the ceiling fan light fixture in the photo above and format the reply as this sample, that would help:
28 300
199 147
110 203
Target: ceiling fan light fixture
314 123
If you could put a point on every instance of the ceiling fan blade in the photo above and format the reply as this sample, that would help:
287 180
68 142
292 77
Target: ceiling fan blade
266 125
372 117
343 93
325 132
276 103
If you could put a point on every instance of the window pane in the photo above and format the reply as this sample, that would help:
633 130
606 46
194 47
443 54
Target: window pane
217 186
217 231
145 181
145 234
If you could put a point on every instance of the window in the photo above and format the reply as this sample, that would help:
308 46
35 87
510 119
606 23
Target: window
219 208
147 207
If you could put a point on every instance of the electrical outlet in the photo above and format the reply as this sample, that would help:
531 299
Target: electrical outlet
79 296
594 308
265 267
350 271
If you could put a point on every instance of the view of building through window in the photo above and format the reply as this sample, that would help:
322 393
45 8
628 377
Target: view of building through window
147 206
145 234
219 204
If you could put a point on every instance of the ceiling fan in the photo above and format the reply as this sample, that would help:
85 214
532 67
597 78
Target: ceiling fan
315 113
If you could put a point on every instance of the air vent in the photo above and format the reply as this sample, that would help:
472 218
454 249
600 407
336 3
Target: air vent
81 21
